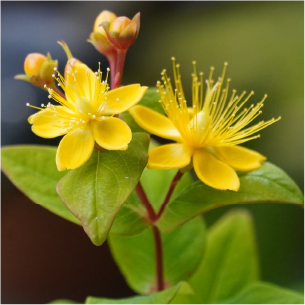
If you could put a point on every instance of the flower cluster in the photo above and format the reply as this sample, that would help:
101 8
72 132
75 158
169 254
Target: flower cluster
208 133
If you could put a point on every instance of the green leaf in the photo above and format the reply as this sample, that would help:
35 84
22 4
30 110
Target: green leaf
63 301
163 297
95 192
33 171
150 100
131 219
182 252
230 262
266 293
267 184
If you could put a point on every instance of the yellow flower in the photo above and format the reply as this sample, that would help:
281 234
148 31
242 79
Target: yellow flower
85 116
208 133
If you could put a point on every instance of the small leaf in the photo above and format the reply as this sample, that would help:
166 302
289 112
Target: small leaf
63 301
266 293
150 100
266 184
33 170
131 219
95 192
162 297
230 262
182 252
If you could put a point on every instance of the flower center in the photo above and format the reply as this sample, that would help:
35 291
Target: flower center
84 107
199 124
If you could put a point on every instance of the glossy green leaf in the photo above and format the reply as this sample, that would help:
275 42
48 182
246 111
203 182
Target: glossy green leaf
163 297
266 184
183 250
95 192
230 262
33 171
266 293
150 100
63 301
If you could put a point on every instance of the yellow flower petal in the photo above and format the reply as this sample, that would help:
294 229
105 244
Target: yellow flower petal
213 172
170 156
240 158
111 133
84 79
155 123
75 148
121 99
44 121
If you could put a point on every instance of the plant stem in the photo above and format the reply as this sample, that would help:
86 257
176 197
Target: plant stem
175 180
156 234
121 54
159 258
112 64
153 217
142 195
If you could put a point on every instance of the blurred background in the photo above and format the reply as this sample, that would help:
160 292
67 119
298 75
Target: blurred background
45 257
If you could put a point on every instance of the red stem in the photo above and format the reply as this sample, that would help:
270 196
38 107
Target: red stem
112 64
175 180
150 211
153 217
121 54
156 233
159 258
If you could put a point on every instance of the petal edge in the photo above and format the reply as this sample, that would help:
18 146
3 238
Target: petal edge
214 172
240 158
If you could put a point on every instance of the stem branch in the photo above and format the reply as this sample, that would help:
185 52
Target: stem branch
175 180
156 233
150 211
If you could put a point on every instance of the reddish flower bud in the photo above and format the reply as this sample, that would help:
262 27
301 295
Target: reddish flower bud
122 32
99 38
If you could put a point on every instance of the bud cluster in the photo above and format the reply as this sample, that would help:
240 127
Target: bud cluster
111 36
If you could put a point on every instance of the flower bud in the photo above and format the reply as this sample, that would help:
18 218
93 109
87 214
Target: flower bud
104 16
122 32
99 38
38 70
33 63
